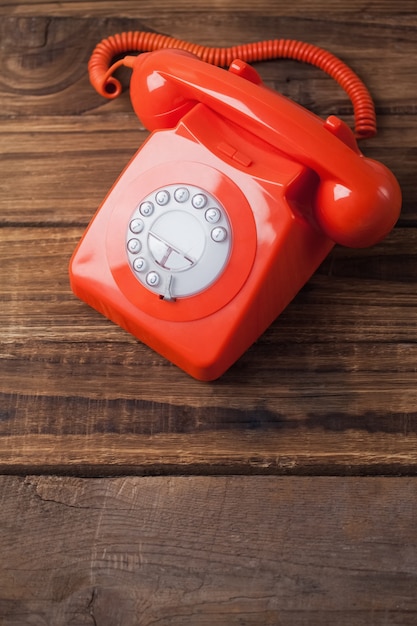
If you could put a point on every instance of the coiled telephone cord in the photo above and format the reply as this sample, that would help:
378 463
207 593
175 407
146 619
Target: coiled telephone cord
100 66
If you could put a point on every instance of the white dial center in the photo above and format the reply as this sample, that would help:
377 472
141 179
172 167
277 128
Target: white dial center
176 240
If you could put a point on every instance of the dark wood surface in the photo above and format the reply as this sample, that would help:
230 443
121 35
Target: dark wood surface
226 550
325 402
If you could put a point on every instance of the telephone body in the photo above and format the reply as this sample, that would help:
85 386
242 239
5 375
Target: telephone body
224 212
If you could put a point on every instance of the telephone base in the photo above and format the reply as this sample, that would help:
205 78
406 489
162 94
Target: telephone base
271 244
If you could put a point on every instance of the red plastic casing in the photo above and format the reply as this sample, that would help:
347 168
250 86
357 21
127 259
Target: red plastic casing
291 184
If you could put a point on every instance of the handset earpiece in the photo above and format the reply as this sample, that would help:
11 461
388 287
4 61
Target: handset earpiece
358 199
362 214
365 213
158 101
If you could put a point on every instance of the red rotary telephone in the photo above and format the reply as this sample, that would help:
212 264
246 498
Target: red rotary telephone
227 209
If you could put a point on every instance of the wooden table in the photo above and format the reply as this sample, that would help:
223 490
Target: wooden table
283 493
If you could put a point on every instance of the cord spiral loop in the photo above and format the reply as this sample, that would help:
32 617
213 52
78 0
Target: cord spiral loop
100 65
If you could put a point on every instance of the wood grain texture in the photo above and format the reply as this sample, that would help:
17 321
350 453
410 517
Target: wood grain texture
330 388
333 391
327 394
127 8
347 396
203 551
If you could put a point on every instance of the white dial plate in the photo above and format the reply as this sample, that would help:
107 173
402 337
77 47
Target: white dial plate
178 240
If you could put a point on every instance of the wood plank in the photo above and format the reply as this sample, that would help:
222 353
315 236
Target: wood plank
331 387
47 71
203 551
125 8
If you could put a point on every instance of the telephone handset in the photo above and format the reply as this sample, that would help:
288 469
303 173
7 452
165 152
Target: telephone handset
354 199
225 211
